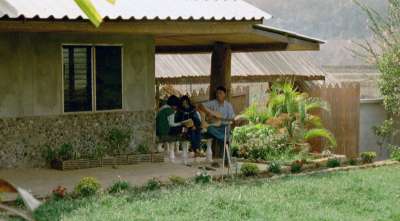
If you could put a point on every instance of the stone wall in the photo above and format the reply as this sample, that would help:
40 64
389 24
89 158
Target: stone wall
22 139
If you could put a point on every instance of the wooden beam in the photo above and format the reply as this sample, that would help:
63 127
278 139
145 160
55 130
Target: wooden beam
221 60
191 49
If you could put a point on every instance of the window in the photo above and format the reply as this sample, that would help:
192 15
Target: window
92 70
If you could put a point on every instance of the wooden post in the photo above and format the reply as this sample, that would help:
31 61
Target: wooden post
221 69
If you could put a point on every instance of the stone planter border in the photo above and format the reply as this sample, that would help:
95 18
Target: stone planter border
120 160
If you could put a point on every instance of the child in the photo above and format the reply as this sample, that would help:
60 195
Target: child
166 125
188 113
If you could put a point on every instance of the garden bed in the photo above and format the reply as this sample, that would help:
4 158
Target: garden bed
109 161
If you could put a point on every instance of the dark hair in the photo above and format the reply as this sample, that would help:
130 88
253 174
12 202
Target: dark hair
186 98
221 88
173 101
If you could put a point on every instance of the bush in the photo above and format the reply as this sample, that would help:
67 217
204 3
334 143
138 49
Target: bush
352 161
119 186
118 141
87 186
202 177
333 162
249 169
395 153
368 157
275 167
296 166
259 141
143 149
66 152
153 184
19 202
177 180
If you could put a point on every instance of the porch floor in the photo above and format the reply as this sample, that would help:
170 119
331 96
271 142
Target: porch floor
42 181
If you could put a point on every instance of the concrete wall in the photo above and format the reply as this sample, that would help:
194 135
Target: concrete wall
31 71
31 97
372 113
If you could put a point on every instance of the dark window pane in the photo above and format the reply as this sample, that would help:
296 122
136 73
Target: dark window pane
77 78
108 78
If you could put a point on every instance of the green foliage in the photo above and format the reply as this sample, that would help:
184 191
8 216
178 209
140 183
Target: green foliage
290 112
48 153
296 166
333 162
368 157
249 169
384 51
63 152
153 184
256 114
119 186
260 141
320 132
348 193
353 161
87 186
143 148
177 180
66 152
202 177
118 141
384 131
395 153
19 202
275 167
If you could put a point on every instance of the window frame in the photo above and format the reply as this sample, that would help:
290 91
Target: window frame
93 75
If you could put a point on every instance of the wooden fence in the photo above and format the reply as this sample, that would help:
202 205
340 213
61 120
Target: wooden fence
344 118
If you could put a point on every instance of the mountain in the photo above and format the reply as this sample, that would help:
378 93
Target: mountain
339 22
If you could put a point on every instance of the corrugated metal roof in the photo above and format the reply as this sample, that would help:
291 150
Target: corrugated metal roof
244 65
135 10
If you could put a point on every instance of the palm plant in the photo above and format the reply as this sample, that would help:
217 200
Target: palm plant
289 109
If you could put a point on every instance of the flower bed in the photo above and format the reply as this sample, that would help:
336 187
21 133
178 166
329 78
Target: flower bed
119 160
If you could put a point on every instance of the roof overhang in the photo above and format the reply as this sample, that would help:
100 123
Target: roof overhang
175 36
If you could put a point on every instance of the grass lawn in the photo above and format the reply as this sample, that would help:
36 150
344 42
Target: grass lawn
372 194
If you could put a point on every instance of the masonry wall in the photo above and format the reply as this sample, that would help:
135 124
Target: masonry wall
31 108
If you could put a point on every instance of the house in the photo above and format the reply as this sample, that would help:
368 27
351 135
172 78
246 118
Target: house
64 81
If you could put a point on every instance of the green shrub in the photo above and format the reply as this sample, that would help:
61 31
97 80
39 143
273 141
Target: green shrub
395 153
119 187
143 148
249 169
19 202
87 186
66 152
235 150
368 157
275 167
333 162
202 177
48 153
296 166
352 161
177 180
118 141
260 141
153 184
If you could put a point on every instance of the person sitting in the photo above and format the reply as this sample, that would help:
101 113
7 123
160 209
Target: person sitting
166 126
222 112
191 119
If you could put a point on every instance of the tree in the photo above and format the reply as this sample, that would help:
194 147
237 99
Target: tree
384 52
90 10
